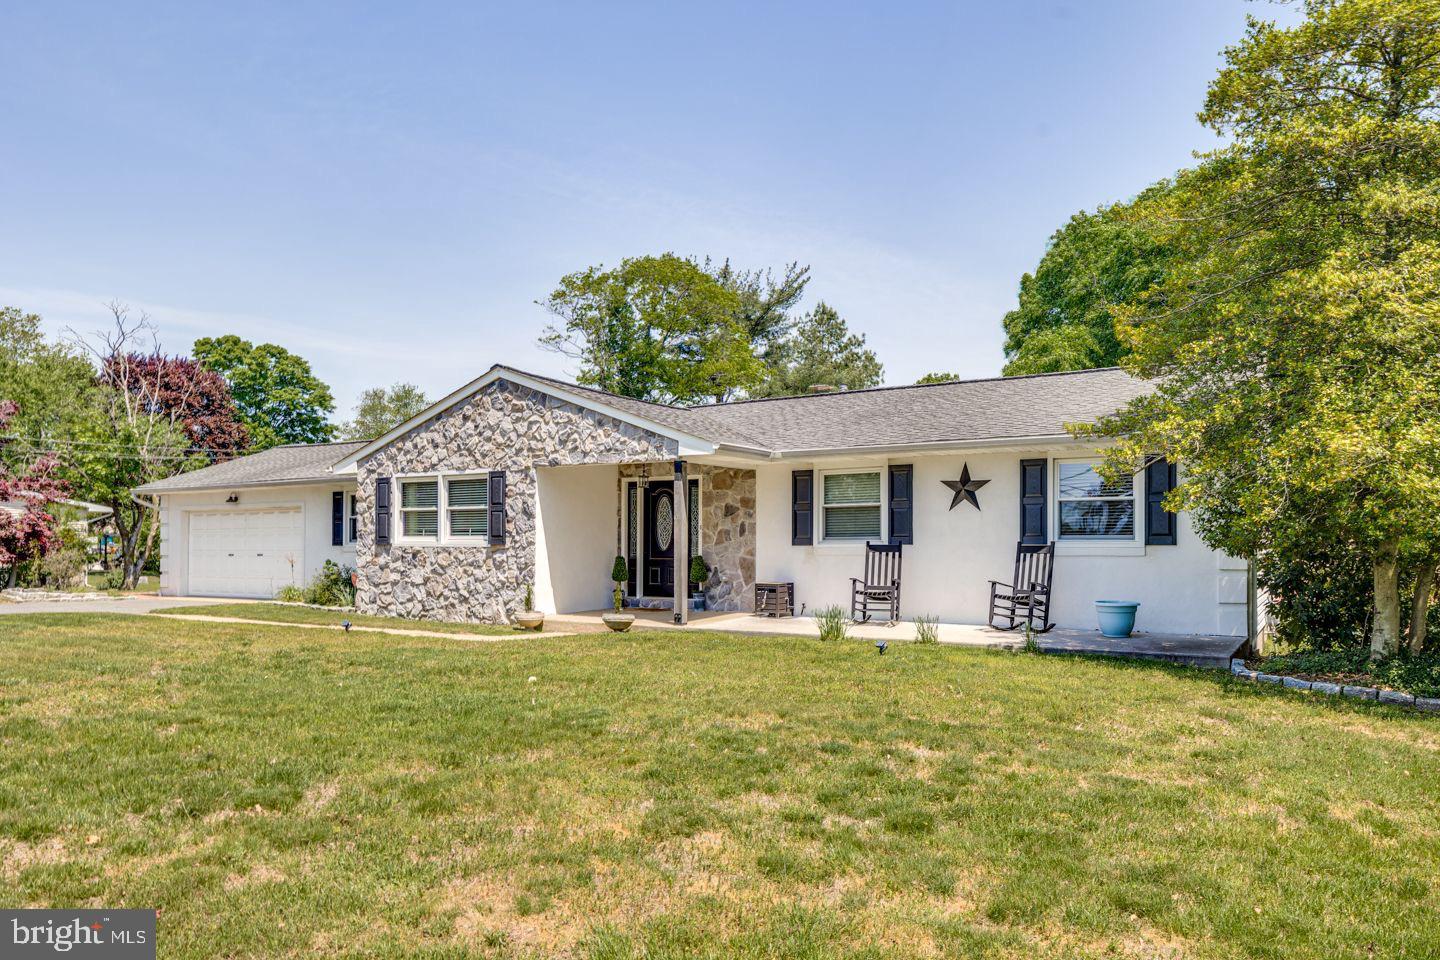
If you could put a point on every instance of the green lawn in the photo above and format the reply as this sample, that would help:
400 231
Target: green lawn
294 793
283 613
149 583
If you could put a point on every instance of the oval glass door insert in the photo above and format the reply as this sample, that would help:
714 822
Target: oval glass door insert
664 523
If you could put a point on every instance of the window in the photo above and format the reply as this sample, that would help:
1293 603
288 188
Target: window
1090 508
420 509
467 503
354 519
851 505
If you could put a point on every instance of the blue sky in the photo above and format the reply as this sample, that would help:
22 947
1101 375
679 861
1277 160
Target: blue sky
387 188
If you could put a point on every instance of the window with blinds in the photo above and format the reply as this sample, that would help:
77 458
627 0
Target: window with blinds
851 505
420 509
1092 509
466 503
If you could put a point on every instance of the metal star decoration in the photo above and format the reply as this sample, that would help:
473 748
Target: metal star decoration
965 488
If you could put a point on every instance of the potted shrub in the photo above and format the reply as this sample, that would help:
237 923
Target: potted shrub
699 573
530 618
617 619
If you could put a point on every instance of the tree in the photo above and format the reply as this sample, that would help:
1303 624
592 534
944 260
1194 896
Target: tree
1066 316
47 383
937 378
821 350
1295 337
653 328
280 400
134 430
196 397
764 303
380 409
30 533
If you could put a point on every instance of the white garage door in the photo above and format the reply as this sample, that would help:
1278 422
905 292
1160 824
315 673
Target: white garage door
245 553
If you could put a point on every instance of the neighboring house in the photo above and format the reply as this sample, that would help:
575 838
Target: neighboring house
517 479
78 514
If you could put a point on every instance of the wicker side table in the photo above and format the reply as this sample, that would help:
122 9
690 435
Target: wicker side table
775 599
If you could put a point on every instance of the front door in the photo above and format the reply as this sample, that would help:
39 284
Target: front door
659 540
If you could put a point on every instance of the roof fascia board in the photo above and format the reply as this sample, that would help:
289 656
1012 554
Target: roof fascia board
689 445
156 490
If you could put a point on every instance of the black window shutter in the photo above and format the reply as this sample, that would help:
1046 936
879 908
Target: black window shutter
382 509
802 507
497 507
337 518
902 503
1161 526
1032 502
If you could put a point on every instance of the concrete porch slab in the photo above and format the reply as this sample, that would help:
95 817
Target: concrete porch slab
1194 649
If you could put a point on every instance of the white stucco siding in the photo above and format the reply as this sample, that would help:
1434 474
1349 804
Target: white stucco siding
312 501
1185 588
575 536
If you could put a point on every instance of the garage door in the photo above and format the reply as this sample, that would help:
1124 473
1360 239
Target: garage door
245 553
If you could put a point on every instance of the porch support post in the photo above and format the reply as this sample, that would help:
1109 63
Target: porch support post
682 543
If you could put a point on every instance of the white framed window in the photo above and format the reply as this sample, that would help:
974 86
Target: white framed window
353 522
1088 508
420 508
851 505
467 508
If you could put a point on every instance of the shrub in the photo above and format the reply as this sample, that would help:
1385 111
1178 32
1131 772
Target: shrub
832 623
64 568
927 629
699 570
113 579
1418 673
330 588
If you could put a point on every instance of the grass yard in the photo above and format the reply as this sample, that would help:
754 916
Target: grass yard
285 613
149 583
294 793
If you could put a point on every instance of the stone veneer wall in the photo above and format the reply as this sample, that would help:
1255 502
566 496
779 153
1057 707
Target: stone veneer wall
503 427
727 529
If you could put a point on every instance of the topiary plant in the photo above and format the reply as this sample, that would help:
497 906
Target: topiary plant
699 570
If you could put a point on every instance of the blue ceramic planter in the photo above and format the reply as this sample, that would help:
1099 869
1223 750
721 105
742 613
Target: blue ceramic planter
1117 617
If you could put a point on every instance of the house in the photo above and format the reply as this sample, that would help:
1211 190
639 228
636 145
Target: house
79 515
519 479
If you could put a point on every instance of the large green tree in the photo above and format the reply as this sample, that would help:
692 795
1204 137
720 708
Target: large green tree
1093 265
655 328
1295 336
820 350
380 409
764 303
48 382
279 397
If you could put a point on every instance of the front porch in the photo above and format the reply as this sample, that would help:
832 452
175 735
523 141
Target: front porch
586 515
1192 649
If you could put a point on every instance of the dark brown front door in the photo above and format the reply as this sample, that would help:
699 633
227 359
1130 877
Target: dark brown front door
660 528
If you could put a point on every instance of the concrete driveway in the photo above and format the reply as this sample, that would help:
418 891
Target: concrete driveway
128 604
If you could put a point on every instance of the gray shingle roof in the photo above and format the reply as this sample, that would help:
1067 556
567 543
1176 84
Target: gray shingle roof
974 410
293 463
1004 408
995 409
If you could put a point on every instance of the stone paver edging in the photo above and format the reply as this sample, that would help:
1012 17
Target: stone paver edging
35 595
355 628
1392 697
